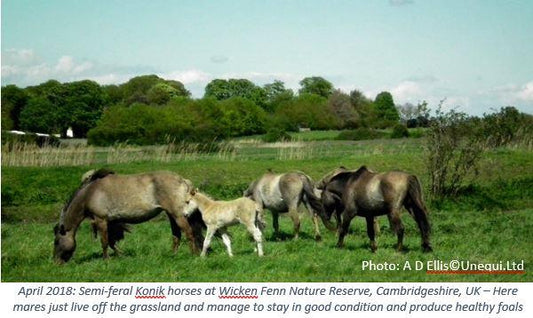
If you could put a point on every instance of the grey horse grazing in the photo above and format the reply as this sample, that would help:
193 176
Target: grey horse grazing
283 193
111 201
369 194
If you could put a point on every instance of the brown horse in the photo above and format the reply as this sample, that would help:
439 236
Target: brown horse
111 201
332 203
369 194
282 193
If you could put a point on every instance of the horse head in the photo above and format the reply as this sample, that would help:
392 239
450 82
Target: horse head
64 244
190 203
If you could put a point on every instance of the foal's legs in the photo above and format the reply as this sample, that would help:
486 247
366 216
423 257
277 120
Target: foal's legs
226 239
258 237
208 236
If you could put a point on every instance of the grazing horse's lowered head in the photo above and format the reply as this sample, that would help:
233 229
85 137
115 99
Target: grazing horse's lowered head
65 236
113 201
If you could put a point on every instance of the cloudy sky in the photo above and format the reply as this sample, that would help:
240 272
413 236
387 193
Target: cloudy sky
478 55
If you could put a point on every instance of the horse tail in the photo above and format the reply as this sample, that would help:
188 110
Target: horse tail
415 205
414 194
315 203
115 232
259 217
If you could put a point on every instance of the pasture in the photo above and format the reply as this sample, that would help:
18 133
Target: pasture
488 222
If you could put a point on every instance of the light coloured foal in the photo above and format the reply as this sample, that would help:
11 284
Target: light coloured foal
218 215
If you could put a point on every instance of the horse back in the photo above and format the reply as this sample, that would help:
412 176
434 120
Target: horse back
139 196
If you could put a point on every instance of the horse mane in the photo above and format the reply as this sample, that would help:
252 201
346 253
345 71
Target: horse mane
93 175
87 178
343 177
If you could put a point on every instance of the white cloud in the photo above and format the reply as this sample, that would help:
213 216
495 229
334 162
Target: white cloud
188 76
407 91
19 57
24 67
525 93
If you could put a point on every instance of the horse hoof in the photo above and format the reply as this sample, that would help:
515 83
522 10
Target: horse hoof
318 238
427 249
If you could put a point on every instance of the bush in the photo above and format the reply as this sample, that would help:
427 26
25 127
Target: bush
275 134
360 134
454 145
399 131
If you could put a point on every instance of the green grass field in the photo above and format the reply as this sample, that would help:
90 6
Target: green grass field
489 222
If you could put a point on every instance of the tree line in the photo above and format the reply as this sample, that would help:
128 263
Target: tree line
148 109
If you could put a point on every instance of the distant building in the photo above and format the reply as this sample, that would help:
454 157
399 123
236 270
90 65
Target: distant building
70 133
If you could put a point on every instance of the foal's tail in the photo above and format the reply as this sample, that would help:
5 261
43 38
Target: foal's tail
310 199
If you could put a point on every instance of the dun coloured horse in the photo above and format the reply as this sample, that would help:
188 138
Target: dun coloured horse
111 201
369 194
218 215
331 202
282 193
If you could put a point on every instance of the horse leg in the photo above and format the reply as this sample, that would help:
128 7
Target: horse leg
102 227
208 236
258 237
338 219
293 213
347 217
275 223
314 215
377 230
176 234
226 240
184 225
397 226
371 232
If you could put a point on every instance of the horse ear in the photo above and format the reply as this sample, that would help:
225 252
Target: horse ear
56 228
62 230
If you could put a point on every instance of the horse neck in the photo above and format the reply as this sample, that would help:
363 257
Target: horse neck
202 200
74 213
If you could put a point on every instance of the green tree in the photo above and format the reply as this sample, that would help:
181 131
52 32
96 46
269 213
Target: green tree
13 101
222 89
41 116
81 107
142 89
316 85
308 110
241 117
341 106
386 112
275 94
363 107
